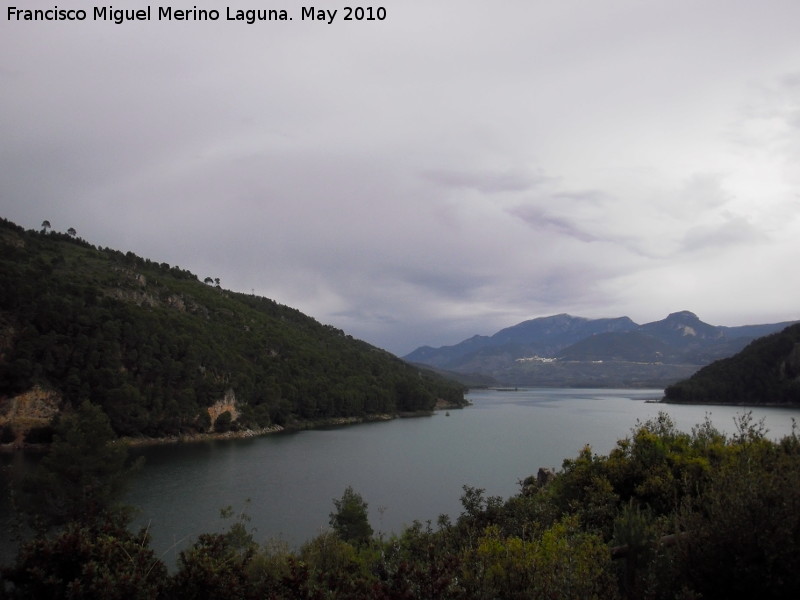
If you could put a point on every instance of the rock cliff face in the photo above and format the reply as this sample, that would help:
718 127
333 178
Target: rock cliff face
227 404
38 407
34 408
132 286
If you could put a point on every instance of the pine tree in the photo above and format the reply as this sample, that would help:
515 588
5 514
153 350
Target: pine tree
350 520
82 475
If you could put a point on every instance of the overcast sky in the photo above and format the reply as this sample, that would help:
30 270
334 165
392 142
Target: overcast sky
454 169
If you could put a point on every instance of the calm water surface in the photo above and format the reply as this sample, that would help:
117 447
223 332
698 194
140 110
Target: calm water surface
405 469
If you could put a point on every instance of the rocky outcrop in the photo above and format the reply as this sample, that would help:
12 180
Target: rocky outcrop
34 408
137 297
131 276
227 404
133 287
12 239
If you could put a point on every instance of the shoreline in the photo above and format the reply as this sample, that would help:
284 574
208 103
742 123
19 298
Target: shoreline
742 404
135 442
243 434
273 429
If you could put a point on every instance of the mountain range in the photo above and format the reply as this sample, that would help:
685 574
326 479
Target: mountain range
565 350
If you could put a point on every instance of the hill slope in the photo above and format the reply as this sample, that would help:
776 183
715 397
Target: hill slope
767 371
156 348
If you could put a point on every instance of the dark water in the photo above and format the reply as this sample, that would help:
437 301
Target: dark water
405 469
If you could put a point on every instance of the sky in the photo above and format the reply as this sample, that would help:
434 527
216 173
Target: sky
450 170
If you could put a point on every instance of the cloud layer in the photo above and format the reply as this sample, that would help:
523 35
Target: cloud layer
451 170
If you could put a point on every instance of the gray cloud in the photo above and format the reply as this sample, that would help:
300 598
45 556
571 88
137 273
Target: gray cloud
485 182
734 231
540 219
452 170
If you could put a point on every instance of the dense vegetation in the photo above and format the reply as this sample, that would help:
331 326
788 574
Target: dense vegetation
665 515
766 372
154 346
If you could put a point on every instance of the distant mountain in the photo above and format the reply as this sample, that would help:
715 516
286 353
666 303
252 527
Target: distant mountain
166 354
767 371
544 336
682 329
568 350
627 346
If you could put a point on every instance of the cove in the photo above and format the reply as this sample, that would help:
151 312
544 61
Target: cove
406 469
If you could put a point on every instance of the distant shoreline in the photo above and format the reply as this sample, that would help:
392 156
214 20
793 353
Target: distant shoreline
135 442
295 426
742 404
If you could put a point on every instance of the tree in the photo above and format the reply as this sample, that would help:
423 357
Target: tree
71 232
102 560
350 520
223 422
745 526
218 565
212 568
82 475
45 226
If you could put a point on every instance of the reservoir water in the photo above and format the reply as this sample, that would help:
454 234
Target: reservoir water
406 469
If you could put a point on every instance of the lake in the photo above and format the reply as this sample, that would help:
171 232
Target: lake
405 469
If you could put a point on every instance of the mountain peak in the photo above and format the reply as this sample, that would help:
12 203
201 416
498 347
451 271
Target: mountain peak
683 315
683 328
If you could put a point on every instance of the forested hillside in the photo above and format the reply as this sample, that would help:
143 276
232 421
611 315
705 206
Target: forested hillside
155 347
766 372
